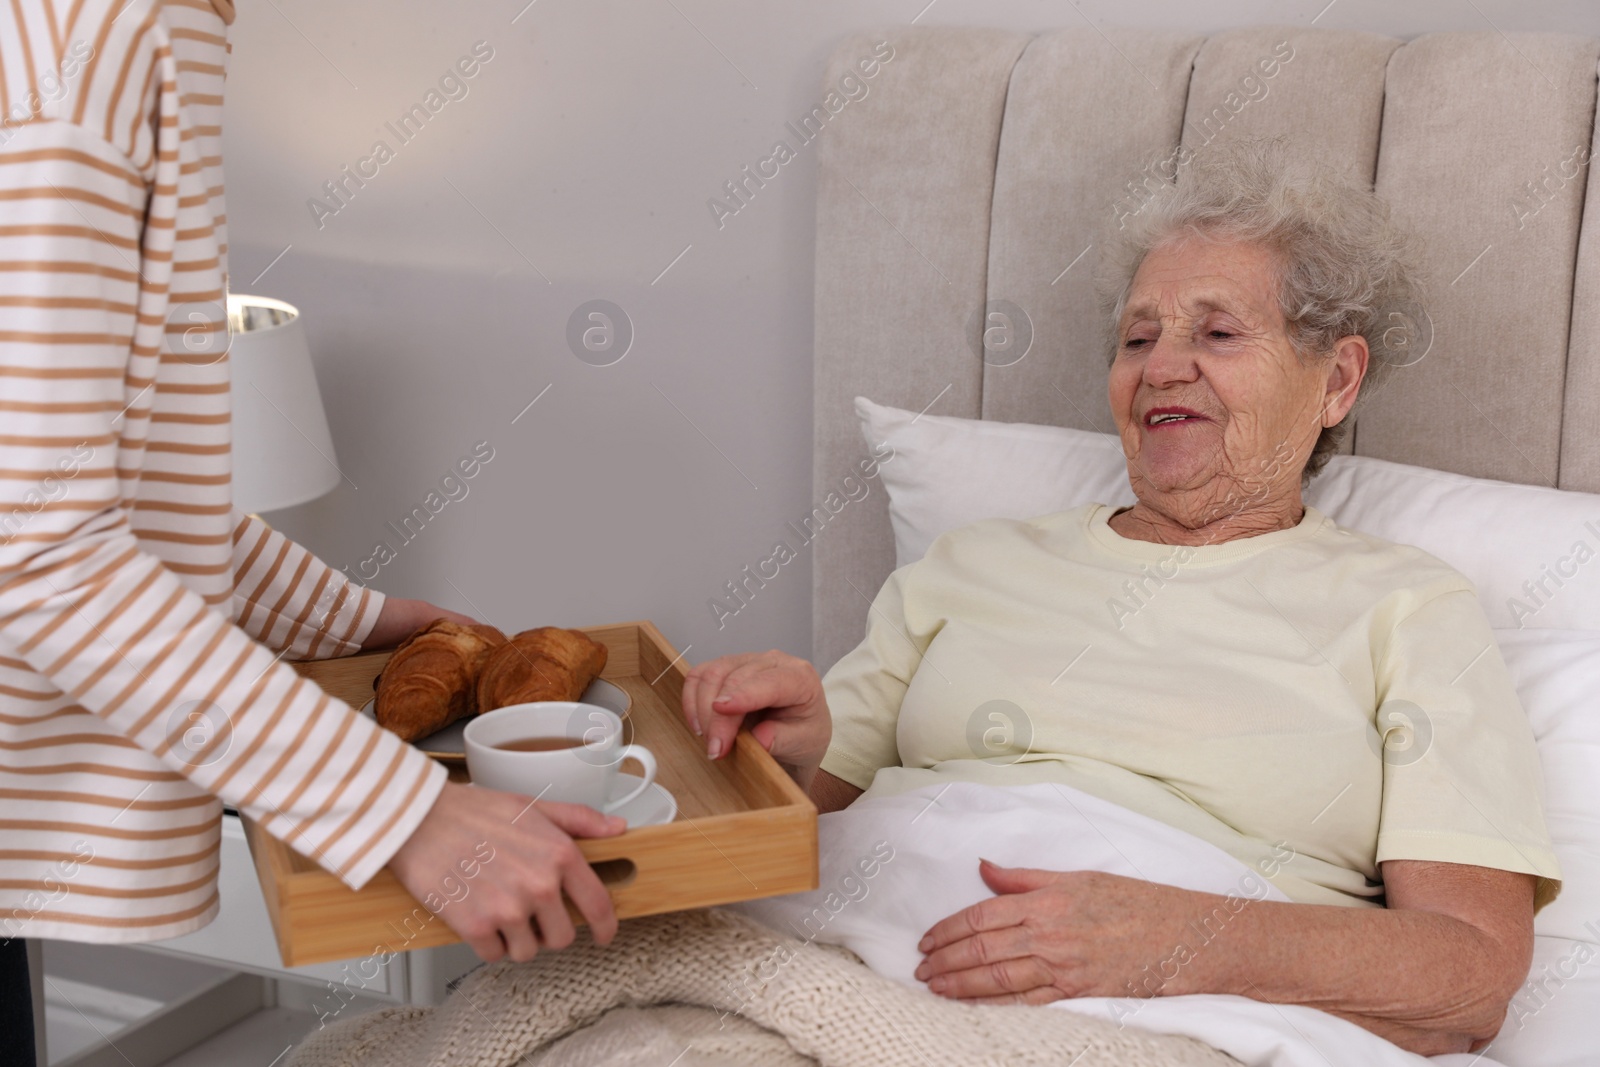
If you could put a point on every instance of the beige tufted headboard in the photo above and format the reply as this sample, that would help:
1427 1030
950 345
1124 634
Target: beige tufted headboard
982 165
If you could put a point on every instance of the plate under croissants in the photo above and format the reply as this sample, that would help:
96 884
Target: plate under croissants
443 675
450 743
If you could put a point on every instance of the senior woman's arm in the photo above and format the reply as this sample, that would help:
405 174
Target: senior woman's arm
792 720
832 794
1433 972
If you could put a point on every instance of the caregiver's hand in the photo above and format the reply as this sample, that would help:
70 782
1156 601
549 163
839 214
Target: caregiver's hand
400 618
495 863
1047 935
783 692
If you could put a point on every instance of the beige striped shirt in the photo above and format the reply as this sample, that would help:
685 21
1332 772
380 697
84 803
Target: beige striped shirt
142 618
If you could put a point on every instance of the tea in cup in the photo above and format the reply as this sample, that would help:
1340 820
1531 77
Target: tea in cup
555 750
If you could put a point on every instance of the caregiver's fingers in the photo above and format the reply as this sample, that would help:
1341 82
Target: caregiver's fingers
999 979
555 925
485 941
491 854
588 894
520 943
1012 942
577 820
576 878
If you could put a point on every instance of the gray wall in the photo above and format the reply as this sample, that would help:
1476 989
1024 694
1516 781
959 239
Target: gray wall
578 166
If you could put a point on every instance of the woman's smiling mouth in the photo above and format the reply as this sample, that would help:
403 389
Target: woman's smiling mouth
1156 418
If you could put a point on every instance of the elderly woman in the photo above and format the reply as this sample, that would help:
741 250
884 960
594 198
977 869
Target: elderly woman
1218 656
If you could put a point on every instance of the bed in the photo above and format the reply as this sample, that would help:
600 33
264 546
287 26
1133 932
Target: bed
986 162
967 193
961 191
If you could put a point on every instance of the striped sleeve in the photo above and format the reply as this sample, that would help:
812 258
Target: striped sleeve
291 601
82 328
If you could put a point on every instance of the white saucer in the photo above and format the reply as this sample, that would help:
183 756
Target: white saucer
654 807
450 743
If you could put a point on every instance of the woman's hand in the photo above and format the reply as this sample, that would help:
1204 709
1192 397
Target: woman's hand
400 618
495 864
783 692
1047 935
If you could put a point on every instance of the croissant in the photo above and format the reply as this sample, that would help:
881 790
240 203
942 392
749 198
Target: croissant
431 679
548 663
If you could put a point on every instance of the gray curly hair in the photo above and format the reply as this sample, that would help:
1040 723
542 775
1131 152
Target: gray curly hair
1344 267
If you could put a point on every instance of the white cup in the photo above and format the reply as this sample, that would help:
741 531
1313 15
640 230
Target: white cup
582 774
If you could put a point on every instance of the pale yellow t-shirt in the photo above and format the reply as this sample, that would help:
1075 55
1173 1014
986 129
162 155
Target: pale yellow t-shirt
1234 691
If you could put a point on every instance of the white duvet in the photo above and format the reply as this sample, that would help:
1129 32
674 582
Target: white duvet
922 849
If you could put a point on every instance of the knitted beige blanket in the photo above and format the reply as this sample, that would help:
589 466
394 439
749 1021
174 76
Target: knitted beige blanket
724 990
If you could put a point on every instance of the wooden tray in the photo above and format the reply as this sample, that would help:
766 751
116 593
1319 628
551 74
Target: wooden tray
744 828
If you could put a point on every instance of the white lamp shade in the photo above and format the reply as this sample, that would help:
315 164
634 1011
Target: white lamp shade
282 450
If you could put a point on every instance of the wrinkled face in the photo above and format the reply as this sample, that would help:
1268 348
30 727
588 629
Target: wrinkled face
1213 406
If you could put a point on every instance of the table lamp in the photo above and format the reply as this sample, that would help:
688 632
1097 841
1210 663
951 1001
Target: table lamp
282 450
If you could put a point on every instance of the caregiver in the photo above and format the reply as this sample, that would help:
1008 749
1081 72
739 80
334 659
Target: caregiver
143 620
1240 699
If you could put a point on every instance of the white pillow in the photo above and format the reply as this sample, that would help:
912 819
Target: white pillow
949 472
1551 1022
1530 551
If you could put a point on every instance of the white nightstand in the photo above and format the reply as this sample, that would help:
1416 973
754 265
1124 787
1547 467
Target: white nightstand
241 939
